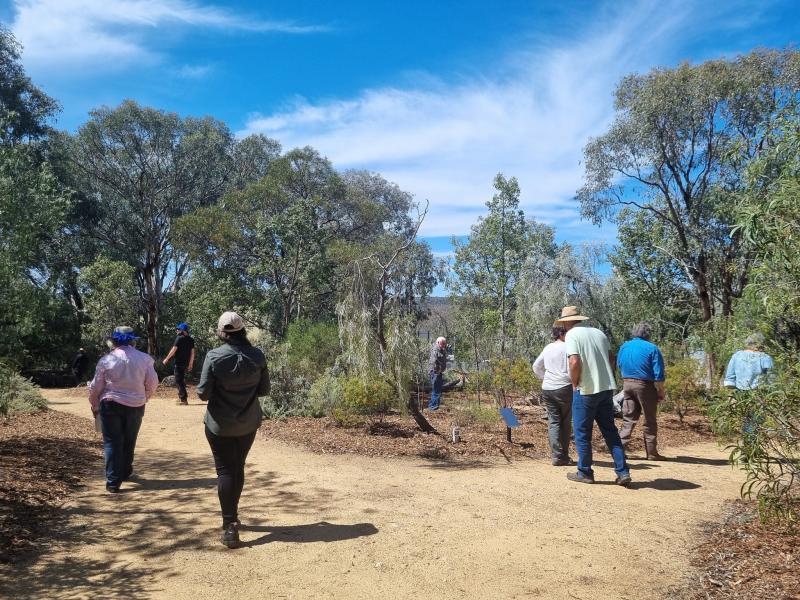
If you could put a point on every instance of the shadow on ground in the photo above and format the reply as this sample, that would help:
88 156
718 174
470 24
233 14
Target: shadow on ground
695 460
313 532
456 465
120 545
664 485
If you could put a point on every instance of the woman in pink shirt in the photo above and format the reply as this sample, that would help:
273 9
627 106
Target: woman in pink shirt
123 382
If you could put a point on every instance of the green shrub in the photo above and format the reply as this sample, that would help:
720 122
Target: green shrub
512 376
17 394
478 380
682 387
362 399
762 428
324 396
482 417
312 347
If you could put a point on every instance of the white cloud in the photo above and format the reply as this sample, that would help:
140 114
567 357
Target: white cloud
195 71
112 34
530 119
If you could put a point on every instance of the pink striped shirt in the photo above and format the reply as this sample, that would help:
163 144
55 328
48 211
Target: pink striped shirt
124 375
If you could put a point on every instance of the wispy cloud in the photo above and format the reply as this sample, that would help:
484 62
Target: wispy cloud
195 71
107 34
531 118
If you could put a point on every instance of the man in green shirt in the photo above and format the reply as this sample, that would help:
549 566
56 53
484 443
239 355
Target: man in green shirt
593 384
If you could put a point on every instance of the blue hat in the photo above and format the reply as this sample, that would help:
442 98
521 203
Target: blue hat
182 326
123 334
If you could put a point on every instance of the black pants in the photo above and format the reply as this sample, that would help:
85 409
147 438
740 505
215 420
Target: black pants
180 381
229 456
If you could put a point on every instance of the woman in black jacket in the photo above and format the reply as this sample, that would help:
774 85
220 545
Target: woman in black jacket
234 376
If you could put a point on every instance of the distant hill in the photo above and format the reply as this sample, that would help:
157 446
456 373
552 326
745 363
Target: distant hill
440 320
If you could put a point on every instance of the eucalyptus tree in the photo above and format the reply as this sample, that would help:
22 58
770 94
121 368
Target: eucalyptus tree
676 152
488 266
33 207
273 237
142 169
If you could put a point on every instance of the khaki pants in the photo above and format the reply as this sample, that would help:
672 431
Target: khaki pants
641 397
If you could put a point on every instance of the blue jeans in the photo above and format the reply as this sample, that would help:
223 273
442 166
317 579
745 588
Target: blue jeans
585 411
437 381
120 429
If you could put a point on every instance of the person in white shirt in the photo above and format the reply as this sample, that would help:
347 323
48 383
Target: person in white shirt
552 368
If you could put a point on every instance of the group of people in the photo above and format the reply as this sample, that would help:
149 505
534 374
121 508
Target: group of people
234 376
578 385
576 368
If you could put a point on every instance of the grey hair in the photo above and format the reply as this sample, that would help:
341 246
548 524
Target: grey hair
754 340
642 330
441 339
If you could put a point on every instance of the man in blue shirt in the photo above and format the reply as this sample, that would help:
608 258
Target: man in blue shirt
642 367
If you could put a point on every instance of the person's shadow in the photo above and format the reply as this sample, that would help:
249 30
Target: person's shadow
312 532
664 485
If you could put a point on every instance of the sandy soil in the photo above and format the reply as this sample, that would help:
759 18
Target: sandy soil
334 526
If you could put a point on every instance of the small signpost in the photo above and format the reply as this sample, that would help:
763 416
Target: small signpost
510 419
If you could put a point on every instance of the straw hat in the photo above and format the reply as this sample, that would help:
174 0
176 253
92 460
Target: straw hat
570 313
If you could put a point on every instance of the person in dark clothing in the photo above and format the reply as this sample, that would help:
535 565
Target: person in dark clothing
234 376
183 351
437 365
80 365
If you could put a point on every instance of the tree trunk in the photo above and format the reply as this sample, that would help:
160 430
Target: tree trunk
420 419
152 312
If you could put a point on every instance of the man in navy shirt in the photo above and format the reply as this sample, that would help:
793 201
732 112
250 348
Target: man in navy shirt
642 367
183 351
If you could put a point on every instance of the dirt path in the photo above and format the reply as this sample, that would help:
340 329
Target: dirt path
322 526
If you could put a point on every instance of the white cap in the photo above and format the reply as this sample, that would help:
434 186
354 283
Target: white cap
230 321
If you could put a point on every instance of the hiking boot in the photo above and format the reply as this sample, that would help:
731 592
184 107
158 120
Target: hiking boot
656 456
230 537
112 489
563 462
623 480
182 403
580 477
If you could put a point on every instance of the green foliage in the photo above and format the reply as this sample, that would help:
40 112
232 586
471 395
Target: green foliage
682 387
312 347
763 427
480 416
17 394
672 162
512 376
110 298
325 396
144 168
37 323
478 381
288 394
362 399
768 216
487 268
25 108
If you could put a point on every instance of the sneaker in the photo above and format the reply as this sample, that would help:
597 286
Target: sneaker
656 456
580 477
112 489
623 480
563 462
182 403
230 537
132 476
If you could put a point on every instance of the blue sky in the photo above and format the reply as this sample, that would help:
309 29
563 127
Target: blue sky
436 96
